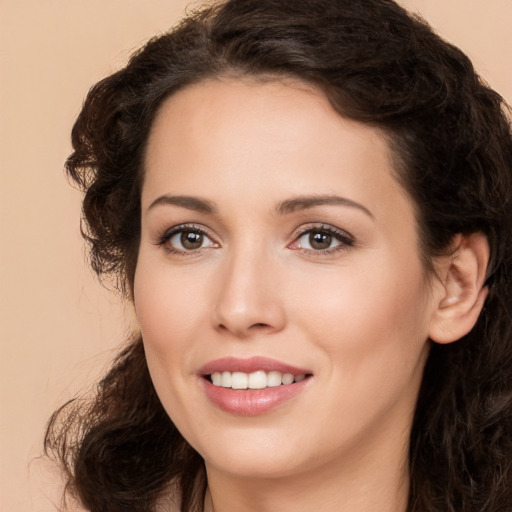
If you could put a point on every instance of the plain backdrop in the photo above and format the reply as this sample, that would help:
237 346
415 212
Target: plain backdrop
58 326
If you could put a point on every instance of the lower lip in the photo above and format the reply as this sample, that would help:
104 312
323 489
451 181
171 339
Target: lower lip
252 402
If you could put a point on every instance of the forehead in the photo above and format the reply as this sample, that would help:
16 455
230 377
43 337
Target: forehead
253 139
284 109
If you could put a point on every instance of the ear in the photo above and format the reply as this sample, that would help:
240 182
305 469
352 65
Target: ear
460 294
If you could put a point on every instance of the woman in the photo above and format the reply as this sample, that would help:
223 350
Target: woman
309 204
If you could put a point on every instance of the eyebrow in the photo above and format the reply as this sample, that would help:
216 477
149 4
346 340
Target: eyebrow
189 202
284 208
306 202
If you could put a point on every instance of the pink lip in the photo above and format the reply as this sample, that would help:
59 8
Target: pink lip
233 364
251 402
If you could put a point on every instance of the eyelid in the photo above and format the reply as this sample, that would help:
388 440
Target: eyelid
163 238
344 237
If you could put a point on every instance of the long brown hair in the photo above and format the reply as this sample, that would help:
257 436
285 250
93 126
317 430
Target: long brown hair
453 154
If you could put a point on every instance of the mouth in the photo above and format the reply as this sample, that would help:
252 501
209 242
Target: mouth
259 379
251 387
253 373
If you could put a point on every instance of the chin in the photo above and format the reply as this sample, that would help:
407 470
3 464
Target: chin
251 454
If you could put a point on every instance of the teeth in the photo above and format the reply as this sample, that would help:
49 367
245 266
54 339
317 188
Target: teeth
287 378
255 380
274 379
239 380
225 381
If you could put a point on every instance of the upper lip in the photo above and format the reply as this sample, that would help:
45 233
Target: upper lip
253 364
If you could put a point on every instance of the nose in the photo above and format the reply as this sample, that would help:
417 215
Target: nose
248 301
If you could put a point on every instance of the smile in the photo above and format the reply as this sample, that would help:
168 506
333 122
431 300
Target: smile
254 386
256 380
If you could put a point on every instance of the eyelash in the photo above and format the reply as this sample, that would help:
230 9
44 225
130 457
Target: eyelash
345 239
182 228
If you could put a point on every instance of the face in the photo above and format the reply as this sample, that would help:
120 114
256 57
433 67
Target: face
279 286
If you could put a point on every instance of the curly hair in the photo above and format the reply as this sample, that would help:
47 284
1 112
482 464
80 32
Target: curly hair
451 139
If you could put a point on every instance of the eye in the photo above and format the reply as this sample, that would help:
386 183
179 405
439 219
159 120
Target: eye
322 239
182 239
188 240
318 241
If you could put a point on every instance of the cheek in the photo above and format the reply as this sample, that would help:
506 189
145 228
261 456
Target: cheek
164 316
164 313
371 331
369 315
167 303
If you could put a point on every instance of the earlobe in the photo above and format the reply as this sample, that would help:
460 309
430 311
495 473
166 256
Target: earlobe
461 289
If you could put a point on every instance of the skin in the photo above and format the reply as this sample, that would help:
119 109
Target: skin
358 315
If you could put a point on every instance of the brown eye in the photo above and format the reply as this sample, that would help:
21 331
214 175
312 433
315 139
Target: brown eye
190 240
187 240
319 240
322 240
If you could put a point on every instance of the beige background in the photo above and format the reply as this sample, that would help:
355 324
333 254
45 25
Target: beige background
58 326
